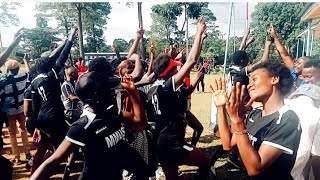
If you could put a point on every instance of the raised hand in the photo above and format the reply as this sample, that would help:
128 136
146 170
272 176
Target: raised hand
204 34
127 83
273 32
140 33
152 48
73 34
201 26
219 92
199 73
114 48
235 105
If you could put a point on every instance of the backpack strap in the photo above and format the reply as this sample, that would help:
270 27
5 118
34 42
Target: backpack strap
11 80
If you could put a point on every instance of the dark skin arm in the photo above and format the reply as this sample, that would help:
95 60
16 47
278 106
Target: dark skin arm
55 53
244 39
138 69
196 82
264 57
287 59
115 50
152 54
48 166
145 80
6 53
193 55
135 44
138 116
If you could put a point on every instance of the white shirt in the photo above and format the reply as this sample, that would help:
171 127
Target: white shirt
309 117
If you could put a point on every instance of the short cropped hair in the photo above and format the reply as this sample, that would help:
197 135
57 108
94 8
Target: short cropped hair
312 63
276 69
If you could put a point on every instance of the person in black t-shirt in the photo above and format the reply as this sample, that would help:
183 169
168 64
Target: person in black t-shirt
267 138
163 100
47 107
100 132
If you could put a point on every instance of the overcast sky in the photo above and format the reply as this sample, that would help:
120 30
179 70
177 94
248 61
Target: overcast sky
123 21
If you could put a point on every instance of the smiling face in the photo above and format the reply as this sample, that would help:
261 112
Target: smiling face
311 75
260 85
299 64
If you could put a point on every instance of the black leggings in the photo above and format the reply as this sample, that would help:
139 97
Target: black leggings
197 127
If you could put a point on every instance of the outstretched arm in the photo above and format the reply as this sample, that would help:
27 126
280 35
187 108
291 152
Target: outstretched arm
137 72
287 59
115 50
152 54
265 56
55 53
193 55
6 53
197 80
244 39
135 44
66 50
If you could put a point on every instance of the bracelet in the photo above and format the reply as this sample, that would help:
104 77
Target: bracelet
242 132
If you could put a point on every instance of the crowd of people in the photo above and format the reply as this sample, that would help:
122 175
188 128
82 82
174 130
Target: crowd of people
131 115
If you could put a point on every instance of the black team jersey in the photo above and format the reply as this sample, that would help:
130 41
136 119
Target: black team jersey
47 106
165 108
102 139
280 130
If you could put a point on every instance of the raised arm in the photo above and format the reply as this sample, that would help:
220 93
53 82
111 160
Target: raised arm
244 39
265 56
6 53
146 80
137 72
135 44
115 50
55 53
26 62
152 54
287 59
250 41
193 55
66 50
266 50
196 81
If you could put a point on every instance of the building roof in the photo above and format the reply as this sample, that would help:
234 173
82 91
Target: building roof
310 12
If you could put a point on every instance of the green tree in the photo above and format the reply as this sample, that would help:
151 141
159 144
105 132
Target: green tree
6 13
95 17
285 19
122 45
39 39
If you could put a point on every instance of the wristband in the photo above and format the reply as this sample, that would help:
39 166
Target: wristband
242 132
